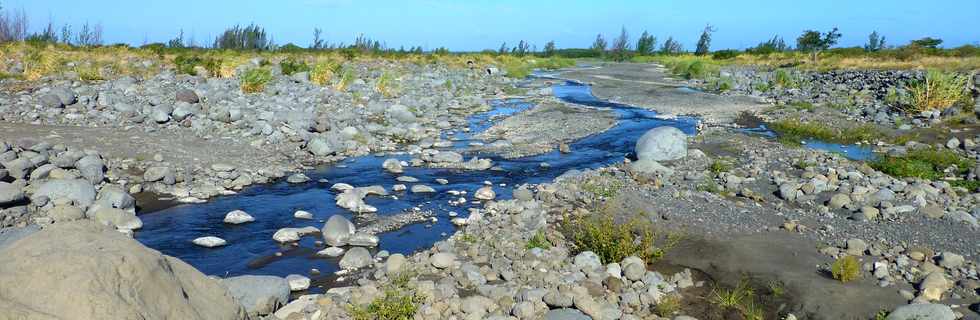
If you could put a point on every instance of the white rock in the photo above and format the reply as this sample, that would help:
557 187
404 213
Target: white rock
209 242
238 217
300 214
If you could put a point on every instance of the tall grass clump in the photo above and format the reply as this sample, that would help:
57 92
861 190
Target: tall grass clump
783 79
385 85
613 241
346 78
254 80
939 90
323 72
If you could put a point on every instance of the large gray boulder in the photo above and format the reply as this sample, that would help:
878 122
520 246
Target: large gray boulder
10 193
79 191
164 175
337 231
924 311
186 95
50 101
356 258
92 168
81 270
260 295
320 147
662 144
113 196
18 168
65 95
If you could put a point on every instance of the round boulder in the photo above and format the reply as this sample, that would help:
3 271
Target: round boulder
662 144
337 231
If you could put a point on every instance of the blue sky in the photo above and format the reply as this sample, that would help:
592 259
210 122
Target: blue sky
480 24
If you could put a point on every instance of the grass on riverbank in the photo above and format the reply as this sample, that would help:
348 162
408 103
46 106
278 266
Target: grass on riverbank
927 163
109 62
398 302
963 59
793 132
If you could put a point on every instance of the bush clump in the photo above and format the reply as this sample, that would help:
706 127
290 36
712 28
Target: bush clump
323 72
186 64
254 80
613 241
938 91
292 66
846 269
398 303
538 241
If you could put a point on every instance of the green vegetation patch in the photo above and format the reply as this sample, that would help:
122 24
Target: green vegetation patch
254 80
613 241
846 269
923 163
793 131
398 303
292 66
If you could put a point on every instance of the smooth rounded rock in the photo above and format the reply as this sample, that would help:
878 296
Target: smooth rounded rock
238 217
662 144
209 242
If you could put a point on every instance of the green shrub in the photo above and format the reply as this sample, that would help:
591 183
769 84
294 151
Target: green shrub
719 166
398 303
613 241
254 80
538 241
846 268
725 54
783 79
186 64
292 66
939 90
384 86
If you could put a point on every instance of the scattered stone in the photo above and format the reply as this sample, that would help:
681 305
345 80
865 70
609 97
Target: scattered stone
260 295
356 258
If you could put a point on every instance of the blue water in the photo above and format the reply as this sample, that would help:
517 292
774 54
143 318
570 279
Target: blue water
251 250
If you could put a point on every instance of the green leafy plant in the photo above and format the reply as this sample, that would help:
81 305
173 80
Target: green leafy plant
846 269
384 86
254 80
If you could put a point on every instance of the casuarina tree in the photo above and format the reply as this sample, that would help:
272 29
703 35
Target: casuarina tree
704 43
813 42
